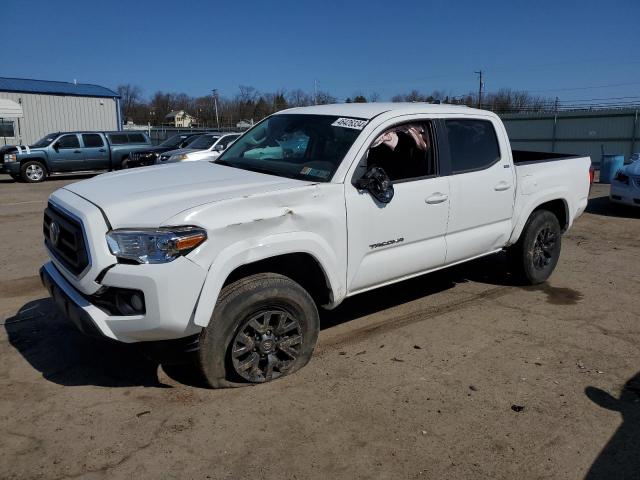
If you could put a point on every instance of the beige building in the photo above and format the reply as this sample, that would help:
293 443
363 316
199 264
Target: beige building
180 118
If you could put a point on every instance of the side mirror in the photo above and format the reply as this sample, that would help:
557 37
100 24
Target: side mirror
56 146
218 148
378 184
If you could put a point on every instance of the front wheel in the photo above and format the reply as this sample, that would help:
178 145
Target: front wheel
33 172
536 254
263 327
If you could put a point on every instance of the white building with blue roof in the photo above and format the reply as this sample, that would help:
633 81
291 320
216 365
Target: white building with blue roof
31 109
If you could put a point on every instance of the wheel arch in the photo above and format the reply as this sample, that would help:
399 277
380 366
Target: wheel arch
556 204
312 268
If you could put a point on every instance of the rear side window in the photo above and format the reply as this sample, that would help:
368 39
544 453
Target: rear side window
92 140
68 141
118 138
473 144
136 138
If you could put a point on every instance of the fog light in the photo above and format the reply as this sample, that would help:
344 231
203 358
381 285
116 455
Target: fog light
129 303
136 302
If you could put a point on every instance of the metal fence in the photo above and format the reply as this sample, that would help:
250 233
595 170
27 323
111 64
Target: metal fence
581 132
160 134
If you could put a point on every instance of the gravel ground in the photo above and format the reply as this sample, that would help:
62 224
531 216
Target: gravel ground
458 374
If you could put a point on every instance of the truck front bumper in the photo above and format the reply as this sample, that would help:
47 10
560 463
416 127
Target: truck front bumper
170 298
10 168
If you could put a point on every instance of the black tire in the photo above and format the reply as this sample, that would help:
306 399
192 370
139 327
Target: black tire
33 171
536 254
263 327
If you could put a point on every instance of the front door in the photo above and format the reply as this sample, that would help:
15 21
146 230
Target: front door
389 241
66 155
96 155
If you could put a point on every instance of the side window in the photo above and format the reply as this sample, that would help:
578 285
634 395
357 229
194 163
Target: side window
136 138
68 141
118 138
405 152
472 143
6 128
92 140
228 139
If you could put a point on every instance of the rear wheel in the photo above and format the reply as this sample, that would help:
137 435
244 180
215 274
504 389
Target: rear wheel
264 326
125 163
536 254
33 171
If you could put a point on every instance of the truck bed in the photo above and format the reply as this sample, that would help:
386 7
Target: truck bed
523 157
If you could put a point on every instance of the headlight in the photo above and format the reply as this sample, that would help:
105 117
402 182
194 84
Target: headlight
154 245
177 158
10 157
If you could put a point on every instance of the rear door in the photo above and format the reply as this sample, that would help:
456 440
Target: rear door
482 187
65 154
96 154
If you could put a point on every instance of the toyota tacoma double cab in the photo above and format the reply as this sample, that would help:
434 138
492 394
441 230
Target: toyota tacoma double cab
309 207
71 152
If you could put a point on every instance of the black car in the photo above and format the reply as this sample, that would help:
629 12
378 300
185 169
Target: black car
148 156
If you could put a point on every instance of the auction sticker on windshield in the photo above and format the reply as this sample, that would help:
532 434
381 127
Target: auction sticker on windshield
355 123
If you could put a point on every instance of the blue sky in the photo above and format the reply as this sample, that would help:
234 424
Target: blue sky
560 47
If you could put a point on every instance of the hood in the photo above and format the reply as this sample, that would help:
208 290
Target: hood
5 149
180 151
633 169
148 196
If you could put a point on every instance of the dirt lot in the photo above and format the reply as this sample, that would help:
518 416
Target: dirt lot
419 380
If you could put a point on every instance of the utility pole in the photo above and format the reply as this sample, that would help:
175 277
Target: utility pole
214 92
315 92
480 87
555 105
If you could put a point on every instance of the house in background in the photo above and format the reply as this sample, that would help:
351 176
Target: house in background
244 124
180 118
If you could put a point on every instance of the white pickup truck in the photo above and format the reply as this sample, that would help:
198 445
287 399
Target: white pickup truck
310 206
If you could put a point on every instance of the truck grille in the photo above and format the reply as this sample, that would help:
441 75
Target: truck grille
64 238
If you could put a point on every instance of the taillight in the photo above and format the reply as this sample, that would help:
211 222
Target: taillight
592 174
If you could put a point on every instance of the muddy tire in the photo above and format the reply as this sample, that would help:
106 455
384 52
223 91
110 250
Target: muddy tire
536 254
263 327
33 171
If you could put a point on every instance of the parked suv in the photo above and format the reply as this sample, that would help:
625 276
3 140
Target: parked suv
149 157
236 255
71 152
206 147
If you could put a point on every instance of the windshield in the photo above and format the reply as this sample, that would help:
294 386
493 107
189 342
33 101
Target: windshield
172 142
304 147
45 141
203 142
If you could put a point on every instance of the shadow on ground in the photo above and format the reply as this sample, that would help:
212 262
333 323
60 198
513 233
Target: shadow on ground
620 458
603 206
64 356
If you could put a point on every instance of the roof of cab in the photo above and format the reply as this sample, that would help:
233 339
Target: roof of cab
370 110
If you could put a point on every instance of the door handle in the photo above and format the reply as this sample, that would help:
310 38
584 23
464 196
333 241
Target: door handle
77 151
437 198
502 186
102 150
